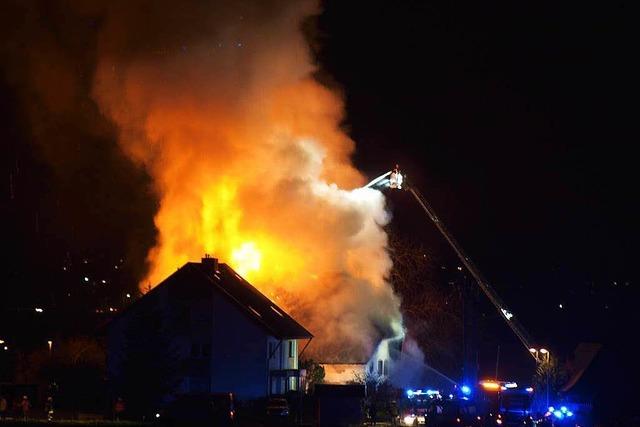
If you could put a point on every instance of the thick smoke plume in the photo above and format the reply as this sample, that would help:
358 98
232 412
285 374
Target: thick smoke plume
217 103
251 165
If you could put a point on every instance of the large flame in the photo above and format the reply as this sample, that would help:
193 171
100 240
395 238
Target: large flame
251 164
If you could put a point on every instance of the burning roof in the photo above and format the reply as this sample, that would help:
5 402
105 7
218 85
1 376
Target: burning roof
224 280
258 306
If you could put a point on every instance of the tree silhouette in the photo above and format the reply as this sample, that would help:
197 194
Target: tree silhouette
431 302
315 373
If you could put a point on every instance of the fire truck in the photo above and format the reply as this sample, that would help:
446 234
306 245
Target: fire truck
504 403
491 403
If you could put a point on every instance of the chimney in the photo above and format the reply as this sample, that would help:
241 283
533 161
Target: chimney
210 263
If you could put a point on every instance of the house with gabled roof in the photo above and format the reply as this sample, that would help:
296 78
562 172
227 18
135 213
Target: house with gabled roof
226 335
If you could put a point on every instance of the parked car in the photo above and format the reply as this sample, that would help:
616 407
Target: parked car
277 411
212 409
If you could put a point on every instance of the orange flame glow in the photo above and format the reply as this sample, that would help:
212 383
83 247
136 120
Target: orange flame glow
251 165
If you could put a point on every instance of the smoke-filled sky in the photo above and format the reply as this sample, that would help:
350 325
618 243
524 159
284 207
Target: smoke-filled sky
217 104
249 161
70 191
515 121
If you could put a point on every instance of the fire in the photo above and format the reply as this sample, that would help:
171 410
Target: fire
246 259
267 261
251 165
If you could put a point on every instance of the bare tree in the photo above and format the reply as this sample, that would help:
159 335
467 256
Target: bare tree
431 302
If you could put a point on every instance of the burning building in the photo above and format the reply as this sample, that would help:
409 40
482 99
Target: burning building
241 148
396 360
343 373
224 334
249 161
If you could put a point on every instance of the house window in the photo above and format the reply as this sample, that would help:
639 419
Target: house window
385 366
292 351
380 366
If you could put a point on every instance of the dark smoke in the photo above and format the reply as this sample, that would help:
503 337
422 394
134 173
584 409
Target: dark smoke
69 193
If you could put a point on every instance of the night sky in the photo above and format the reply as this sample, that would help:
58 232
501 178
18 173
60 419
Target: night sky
514 119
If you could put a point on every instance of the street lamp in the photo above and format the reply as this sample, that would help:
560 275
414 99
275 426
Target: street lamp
547 359
546 353
541 361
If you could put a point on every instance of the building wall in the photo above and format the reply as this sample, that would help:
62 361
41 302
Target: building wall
221 347
192 328
285 354
239 352
283 359
274 353
290 356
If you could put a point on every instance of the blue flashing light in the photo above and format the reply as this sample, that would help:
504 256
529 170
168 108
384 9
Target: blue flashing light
569 414
465 389
431 393
563 409
558 414
551 409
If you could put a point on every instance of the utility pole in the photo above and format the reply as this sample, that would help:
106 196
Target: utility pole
547 359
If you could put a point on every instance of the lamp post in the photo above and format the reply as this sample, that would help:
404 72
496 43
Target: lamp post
547 359
546 353
544 361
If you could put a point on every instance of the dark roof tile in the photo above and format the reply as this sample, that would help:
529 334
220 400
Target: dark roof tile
257 305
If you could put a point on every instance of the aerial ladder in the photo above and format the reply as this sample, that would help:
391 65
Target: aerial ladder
395 180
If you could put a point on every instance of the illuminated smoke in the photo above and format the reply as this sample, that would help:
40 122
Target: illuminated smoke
250 163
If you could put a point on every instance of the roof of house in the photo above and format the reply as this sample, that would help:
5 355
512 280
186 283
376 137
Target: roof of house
240 292
255 304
